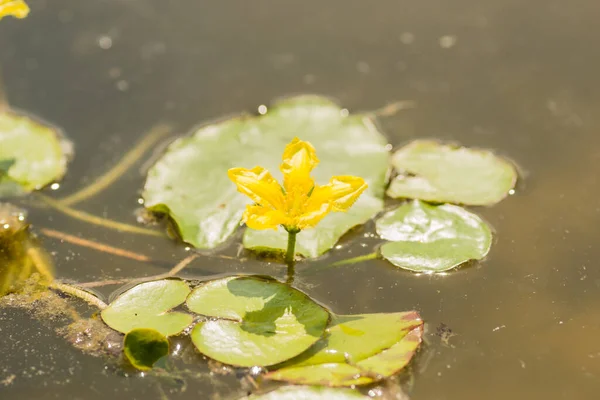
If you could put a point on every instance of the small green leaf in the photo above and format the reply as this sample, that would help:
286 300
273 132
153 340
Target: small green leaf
147 305
143 347
254 321
308 393
190 183
428 238
39 152
358 350
448 174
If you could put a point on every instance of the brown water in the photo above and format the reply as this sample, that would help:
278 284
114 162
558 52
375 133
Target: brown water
516 76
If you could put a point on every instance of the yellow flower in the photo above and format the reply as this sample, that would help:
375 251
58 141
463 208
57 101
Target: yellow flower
299 203
16 8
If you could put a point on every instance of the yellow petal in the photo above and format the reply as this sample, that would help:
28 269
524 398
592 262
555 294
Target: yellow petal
341 192
16 8
299 156
313 215
299 159
345 190
258 217
258 184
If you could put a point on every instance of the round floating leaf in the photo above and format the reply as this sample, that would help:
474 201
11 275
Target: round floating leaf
308 393
254 321
36 152
190 181
147 305
143 347
428 238
358 350
448 174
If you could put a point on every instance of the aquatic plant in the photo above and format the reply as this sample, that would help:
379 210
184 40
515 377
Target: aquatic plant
257 321
300 203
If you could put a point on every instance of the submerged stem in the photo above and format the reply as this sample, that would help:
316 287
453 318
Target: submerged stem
354 260
392 109
107 223
105 248
291 247
76 292
41 262
174 271
119 169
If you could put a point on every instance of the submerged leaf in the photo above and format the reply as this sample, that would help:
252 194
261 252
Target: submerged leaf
254 321
428 238
190 181
39 152
143 347
448 174
358 350
20 255
147 305
308 393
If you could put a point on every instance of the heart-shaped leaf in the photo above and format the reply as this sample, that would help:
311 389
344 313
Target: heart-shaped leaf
428 238
357 350
190 181
38 153
143 347
148 305
449 174
254 321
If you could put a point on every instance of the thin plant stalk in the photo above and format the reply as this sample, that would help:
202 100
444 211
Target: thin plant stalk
291 247
174 271
355 260
104 181
79 293
104 222
104 248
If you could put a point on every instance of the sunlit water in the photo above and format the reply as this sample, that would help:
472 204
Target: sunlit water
517 77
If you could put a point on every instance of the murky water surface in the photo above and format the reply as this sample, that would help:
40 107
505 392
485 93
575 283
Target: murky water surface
518 77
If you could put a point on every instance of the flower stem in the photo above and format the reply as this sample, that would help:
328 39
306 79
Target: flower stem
291 247
291 274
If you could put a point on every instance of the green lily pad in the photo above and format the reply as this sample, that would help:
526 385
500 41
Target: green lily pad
148 305
39 153
190 181
143 347
449 174
308 393
254 321
429 238
358 350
